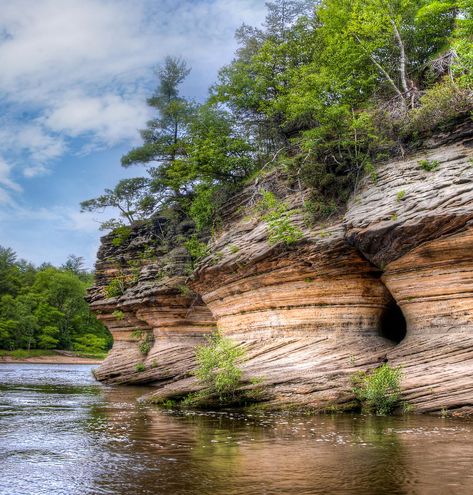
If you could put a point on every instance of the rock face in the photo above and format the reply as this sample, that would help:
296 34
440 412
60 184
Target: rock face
157 320
391 280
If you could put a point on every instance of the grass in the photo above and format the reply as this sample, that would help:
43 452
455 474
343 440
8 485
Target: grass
91 355
23 353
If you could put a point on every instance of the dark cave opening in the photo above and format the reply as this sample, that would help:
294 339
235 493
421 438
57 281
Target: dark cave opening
392 323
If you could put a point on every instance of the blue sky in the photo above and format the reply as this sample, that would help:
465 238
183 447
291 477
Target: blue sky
73 82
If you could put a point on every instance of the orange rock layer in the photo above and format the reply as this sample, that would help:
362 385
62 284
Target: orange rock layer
391 281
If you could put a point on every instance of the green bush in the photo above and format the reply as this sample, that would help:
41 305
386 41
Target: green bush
137 333
196 249
121 235
217 367
440 106
428 165
278 217
140 367
115 288
89 344
400 195
202 209
378 391
184 290
319 209
145 347
119 315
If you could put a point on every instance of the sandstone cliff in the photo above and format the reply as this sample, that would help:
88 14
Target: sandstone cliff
390 280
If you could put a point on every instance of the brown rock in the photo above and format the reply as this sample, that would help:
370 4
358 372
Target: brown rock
311 314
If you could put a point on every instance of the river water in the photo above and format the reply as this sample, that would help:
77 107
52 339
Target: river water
63 433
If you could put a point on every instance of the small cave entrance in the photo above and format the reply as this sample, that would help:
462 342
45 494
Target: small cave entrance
392 324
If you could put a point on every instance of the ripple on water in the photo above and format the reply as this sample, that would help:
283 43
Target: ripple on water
63 433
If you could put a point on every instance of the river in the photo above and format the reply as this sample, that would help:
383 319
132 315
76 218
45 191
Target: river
61 432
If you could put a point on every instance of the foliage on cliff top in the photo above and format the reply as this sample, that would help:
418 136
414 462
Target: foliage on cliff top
327 88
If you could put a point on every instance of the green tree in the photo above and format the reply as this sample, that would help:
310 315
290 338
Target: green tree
164 136
48 338
132 198
45 308
9 280
383 41
262 68
463 62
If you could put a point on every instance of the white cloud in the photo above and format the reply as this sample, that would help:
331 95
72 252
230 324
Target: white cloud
84 222
7 185
5 180
82 69
74 78
109 118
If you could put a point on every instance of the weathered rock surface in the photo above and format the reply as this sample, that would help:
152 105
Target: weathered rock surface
157 320
390 281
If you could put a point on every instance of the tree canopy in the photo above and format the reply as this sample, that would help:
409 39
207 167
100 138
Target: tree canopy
44 308
325 89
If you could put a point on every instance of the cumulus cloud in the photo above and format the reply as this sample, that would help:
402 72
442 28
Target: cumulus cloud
82 69
75 76
109 118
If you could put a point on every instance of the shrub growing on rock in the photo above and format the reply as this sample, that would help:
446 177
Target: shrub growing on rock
217 367
140 367
278 218
378 391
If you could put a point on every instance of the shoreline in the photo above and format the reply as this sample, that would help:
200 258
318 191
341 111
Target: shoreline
53 358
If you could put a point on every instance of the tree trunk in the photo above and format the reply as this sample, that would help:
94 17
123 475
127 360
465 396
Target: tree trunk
402 59
382 70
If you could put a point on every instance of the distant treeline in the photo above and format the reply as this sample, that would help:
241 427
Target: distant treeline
44 307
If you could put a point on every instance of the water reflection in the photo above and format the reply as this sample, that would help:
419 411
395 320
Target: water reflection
63 433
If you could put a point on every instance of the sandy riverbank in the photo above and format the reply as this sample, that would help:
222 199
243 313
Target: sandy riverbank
56 358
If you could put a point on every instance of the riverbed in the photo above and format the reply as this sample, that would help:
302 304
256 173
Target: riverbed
61 432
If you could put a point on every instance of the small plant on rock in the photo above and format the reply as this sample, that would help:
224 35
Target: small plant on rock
145 347
137 333
121 235
278 218
115 288
196 249
140 367
400 195
145 339
217 367
378 391
118 315
428 165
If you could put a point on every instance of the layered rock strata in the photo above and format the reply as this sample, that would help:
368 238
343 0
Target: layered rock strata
157 320
390 281
417 226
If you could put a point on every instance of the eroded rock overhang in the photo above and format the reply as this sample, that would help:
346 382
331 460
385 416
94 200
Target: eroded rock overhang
390 281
